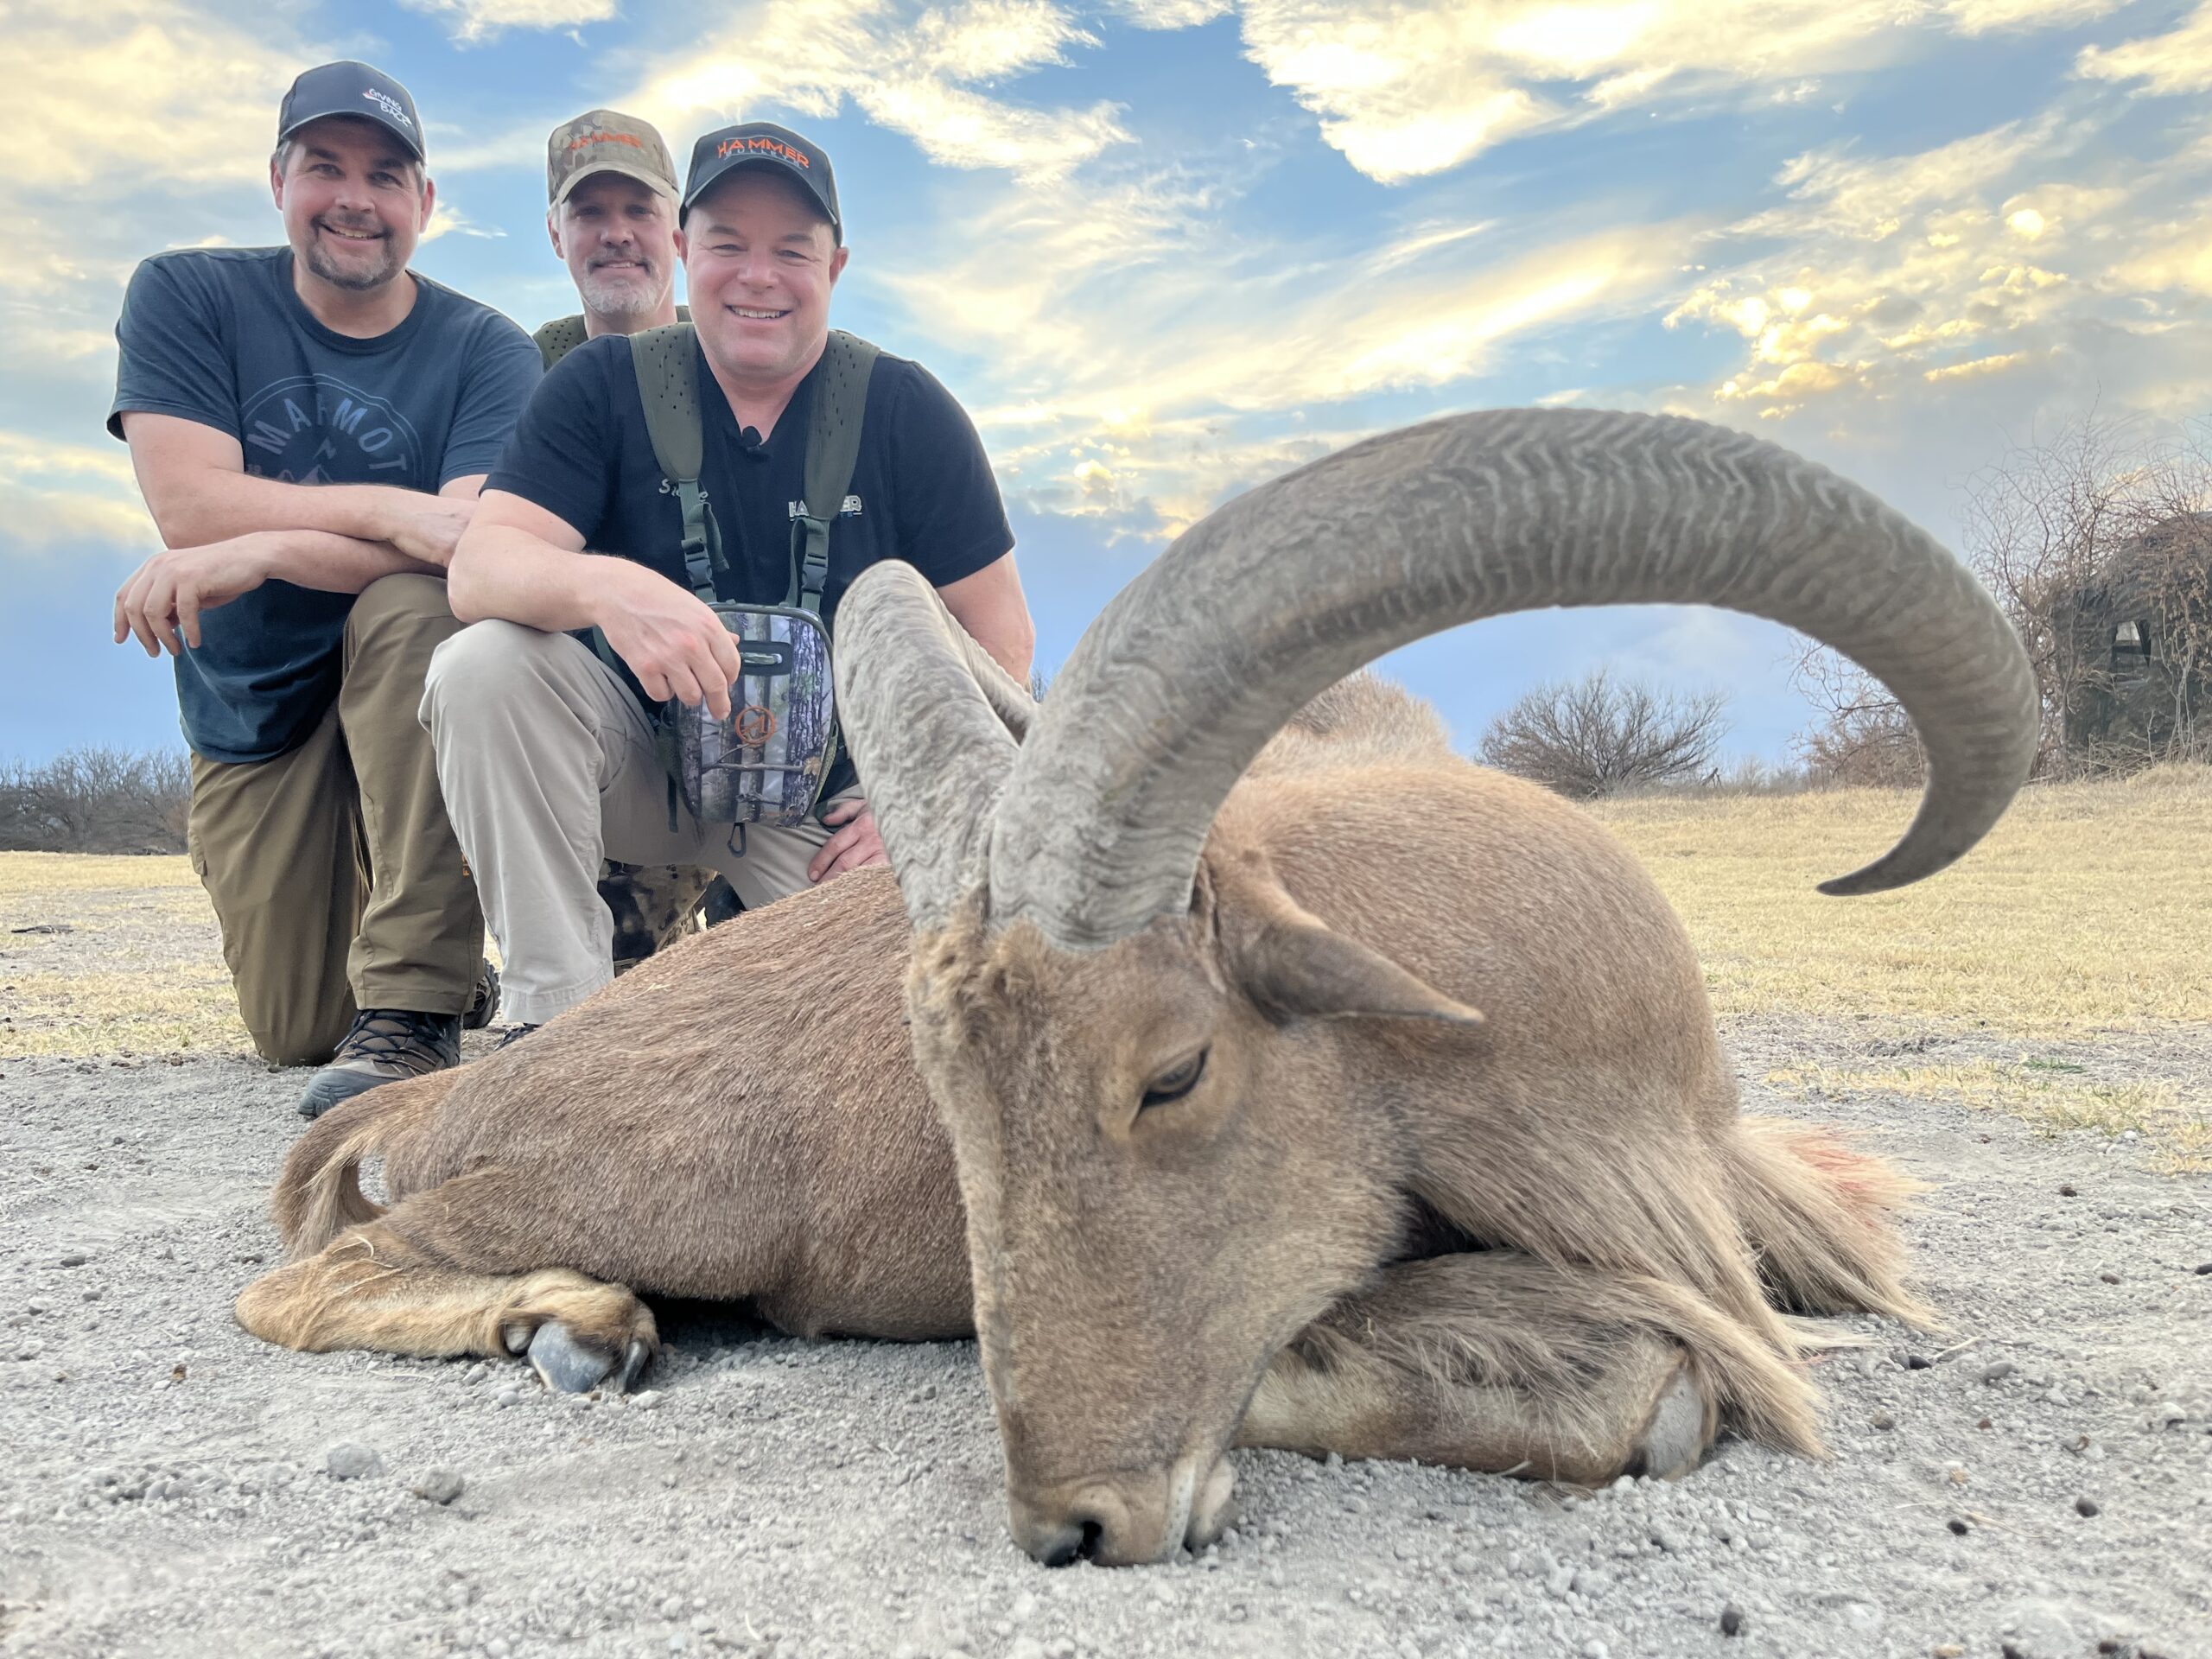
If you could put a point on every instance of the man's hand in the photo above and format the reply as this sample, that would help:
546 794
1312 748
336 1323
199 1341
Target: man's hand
161 602
855 846
427 526
674 644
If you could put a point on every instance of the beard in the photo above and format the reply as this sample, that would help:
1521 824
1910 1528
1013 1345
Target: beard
623 296
379 267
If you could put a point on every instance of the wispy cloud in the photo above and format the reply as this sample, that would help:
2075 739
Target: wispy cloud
2179 60
917 71
143 89
1976 257
1408 90
474 21
56 495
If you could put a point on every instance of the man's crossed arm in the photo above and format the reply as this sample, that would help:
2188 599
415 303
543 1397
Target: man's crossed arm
224 532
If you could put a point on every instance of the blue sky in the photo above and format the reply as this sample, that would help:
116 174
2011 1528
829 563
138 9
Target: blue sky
1164 249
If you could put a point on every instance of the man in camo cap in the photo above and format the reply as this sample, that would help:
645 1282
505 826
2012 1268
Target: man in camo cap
610 209
610 196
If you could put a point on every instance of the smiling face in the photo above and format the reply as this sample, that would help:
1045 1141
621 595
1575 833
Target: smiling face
355 202
759 260
618 237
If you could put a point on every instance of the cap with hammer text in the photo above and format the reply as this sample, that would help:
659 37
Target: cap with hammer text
351 88
763 145
607 141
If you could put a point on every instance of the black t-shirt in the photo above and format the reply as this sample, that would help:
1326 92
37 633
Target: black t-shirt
218 336
922 488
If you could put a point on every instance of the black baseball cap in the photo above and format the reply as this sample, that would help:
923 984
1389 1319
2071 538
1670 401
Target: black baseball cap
762 144
351 88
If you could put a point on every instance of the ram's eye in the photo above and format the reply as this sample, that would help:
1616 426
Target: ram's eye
1173 1085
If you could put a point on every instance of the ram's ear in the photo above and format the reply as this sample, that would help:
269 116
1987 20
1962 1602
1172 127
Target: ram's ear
1294 966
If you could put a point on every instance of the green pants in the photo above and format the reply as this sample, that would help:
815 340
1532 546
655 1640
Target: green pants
336 877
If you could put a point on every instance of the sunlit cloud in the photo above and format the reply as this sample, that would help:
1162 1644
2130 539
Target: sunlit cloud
1977 258
477 20
2179 60
1407 90
143 89
57 496
917 72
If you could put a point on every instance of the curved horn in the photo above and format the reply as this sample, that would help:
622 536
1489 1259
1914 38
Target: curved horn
933 724
1194 665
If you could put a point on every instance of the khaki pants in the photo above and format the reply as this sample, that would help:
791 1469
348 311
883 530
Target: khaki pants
548 766
335 877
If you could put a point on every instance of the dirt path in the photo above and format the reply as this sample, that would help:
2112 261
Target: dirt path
167 1489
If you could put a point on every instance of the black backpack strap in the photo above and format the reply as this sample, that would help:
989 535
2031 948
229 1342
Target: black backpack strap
667 363
558 338
833 446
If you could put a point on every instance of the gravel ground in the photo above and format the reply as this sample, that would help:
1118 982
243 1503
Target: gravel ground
2036 1482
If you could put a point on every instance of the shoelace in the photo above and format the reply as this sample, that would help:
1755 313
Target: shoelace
414 1042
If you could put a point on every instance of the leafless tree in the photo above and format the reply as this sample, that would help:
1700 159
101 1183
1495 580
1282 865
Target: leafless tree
1600 736
2040 525
96 800
2104 517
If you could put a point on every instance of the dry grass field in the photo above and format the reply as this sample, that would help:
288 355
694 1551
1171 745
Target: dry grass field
2082 919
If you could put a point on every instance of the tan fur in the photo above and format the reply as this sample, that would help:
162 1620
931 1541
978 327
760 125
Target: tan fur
741 1117
373 1288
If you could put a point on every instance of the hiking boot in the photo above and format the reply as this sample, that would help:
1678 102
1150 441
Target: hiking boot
484 1006
513 1035
384 1045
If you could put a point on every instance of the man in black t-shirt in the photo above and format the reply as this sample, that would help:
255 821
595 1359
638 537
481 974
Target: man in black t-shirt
545 754
310 424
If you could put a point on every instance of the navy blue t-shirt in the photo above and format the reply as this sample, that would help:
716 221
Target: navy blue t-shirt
216 335
922 487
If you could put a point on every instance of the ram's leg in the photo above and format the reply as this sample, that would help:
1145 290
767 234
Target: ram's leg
1495 1361
374 1287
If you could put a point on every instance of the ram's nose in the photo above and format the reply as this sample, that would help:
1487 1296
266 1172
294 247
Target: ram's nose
1126 1519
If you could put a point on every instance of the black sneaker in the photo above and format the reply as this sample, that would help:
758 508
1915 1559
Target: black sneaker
484 1007
510 1036
384 1045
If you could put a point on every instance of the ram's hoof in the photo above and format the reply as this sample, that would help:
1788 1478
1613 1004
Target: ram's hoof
572 1367
1680 1429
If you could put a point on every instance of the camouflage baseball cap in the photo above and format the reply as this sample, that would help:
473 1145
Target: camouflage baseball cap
605 141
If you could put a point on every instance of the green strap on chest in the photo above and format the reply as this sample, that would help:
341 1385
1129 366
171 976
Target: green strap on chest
833 447
668 385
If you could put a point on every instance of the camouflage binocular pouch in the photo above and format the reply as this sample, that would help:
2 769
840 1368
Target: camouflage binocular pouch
767 763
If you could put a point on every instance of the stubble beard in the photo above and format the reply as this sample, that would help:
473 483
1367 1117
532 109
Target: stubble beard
622 301
353 279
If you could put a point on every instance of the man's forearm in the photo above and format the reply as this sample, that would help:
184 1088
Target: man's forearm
502 572
219 504
335 564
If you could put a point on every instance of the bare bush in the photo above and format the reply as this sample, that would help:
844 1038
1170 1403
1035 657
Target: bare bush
1863 738
96 800
1600 736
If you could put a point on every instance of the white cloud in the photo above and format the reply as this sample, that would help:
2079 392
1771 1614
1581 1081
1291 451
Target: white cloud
143 89
57 496
1410 88
1172 14
474 20
2179 60
1146 360
916 71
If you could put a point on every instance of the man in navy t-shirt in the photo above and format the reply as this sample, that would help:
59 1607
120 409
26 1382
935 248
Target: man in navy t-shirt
546 755
310 425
